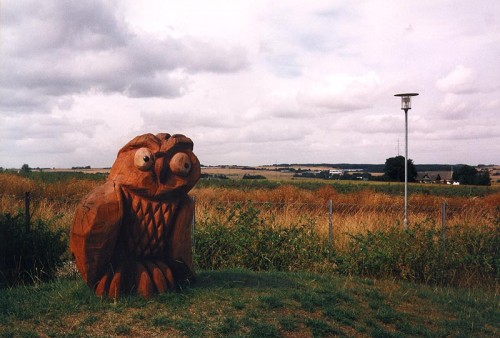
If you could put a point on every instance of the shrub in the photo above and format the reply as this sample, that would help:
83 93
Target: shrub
253 177
466 256
246 241
28 256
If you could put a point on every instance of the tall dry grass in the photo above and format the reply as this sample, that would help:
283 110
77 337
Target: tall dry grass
353 213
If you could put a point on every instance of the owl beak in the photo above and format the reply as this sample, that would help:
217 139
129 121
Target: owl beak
162 170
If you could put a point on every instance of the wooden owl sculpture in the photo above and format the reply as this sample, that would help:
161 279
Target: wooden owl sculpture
133 233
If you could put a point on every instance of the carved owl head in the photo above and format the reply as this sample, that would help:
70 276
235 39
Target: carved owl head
158 166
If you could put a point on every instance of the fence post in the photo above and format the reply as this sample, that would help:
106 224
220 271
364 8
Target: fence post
443 224
330 223
193 225
27 219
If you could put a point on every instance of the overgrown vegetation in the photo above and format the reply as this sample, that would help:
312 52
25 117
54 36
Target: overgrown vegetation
246 241
285 227
28 254
467 256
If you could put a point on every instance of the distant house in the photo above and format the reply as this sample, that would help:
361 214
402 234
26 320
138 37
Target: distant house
336 172
424 178
436 177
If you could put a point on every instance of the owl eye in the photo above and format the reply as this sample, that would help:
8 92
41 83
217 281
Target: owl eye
180 164
143 159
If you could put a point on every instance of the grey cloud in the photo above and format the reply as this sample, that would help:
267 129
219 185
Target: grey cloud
462 131
165 87
43 126
73 47
50 25
44 140
22 101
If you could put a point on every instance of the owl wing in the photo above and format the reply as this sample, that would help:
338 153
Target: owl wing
180 245
95 230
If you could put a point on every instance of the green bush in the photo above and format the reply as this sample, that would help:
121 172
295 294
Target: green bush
465 256
28 255
246 241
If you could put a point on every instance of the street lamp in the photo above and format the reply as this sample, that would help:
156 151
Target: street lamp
405 105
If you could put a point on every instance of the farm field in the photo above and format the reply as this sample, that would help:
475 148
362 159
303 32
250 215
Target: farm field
358 210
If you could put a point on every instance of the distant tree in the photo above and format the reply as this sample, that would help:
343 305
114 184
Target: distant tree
25 169
395 169
482 178
466 174
253 177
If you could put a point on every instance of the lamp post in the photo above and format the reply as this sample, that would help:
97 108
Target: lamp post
406 105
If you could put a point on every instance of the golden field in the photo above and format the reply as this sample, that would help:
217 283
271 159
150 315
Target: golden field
285 205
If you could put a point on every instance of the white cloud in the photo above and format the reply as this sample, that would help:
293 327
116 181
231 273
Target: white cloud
340 93
455 107
461 80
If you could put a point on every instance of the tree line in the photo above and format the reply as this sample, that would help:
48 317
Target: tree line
394 170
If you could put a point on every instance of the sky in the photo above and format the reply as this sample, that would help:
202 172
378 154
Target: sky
250 82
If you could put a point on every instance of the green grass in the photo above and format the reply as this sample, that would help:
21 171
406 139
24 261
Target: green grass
345 187
52 177
239 303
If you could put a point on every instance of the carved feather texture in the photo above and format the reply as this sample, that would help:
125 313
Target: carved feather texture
148 223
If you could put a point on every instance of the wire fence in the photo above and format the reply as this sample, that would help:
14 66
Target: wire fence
332 220
338 220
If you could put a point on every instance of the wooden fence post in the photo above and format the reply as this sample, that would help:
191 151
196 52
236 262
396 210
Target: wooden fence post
193 225
443 225
330 223
27 218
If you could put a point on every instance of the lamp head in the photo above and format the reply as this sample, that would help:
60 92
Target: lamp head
406 100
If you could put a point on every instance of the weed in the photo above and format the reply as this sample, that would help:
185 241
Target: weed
414 330
190 327
28 255
387 315
320 328
245 241
381 333
308 299
271 302
347 316
162 321
238 304
89 320
227 326
261 330
122 329
288 323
